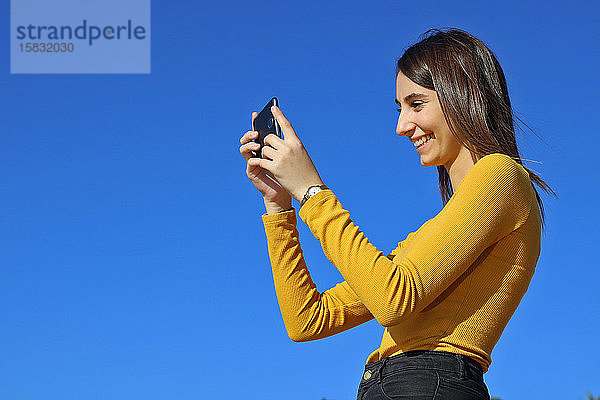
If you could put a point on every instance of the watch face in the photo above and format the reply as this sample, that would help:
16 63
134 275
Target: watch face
313 190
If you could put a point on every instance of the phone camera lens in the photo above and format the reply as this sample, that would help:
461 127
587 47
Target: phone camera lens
270 123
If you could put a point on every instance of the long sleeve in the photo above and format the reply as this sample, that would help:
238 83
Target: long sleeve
491 201
308 314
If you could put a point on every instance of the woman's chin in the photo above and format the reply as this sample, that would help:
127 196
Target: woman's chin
430 160
427 161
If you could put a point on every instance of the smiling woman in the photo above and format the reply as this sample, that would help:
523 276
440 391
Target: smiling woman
422 120
467 88
447 291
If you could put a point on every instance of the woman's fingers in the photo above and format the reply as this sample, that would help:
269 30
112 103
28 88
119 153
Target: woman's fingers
247 148
248 136
254 115
248 145
267 152
286 126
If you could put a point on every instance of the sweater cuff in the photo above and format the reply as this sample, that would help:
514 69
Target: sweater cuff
313 203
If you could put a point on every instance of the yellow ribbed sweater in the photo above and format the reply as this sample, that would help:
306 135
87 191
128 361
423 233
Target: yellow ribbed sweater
452 285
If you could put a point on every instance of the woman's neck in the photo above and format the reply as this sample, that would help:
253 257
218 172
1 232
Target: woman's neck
459 167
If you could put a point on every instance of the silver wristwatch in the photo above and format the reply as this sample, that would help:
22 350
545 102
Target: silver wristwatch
311 192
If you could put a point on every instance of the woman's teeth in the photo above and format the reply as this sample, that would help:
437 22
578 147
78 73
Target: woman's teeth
424 140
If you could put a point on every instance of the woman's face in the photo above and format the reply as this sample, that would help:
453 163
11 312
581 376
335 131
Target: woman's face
421 116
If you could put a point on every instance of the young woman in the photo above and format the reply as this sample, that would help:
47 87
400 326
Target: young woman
448 290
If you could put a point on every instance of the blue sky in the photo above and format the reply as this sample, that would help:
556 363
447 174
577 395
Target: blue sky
134 260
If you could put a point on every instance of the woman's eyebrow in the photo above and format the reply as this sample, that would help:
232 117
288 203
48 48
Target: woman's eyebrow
411 97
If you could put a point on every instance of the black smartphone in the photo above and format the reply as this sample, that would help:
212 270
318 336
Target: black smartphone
265 124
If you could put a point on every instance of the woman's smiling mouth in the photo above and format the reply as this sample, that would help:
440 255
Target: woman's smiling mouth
422 141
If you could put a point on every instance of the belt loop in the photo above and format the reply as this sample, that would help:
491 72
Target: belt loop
385 360
461 366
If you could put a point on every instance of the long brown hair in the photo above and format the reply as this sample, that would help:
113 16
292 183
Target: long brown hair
472 91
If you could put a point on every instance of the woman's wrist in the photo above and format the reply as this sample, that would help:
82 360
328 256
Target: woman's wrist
274 207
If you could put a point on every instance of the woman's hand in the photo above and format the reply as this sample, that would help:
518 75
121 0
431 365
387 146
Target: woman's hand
286 160
268 186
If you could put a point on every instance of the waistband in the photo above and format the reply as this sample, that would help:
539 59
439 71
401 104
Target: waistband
463 365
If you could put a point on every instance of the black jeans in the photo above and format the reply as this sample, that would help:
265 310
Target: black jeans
423 374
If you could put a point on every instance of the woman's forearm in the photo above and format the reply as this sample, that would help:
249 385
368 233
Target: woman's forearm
307 314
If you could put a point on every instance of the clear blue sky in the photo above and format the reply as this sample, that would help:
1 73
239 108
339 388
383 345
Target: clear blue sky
134 263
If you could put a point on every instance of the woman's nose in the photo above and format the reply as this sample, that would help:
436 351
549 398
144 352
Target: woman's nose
404 126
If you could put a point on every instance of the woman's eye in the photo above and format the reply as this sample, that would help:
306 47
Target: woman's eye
414 104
